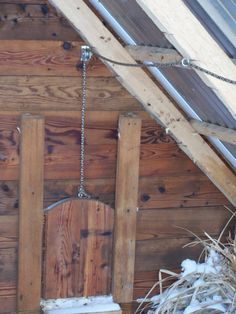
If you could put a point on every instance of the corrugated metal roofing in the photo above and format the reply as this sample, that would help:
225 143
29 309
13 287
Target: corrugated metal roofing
197 94
219 18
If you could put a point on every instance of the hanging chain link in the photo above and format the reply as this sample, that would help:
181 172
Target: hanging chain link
183 63
215 75
81 190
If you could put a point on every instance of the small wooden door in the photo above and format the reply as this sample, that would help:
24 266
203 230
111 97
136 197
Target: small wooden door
78 236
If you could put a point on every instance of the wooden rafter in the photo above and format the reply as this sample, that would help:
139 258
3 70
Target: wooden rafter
208 129
193 41
154 54
138 83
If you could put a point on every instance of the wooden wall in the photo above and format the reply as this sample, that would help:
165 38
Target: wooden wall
39 72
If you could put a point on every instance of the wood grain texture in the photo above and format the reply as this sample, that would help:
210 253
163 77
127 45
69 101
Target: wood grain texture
179 190
62 162
8 258
9 198
63 128
24 1
8 277
154 192
52 93
8 304
18 28
8 228
126 202
144 280
208 129
154 224
152 98
153 254
187 34
45 58
78 248
31 213
153 54
10 10
28 21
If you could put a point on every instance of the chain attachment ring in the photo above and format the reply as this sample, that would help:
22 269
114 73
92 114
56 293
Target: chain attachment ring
185 62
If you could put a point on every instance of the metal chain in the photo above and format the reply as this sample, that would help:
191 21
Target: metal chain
81 191
217 76
140 65
184 63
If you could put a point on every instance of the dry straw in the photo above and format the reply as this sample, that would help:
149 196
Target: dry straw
201 288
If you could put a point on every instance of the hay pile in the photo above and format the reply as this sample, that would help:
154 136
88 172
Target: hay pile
208 287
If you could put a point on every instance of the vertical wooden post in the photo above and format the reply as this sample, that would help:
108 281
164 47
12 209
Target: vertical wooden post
126 208
31 213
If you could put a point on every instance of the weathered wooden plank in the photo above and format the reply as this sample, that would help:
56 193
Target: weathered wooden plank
10 119
9 198
152 223
52 93
144 281
78 247
10 10
187 34
153 54
8 304
179 191
54 29
50 58
8 228
8 296
7 288
154 192
152 98
62 162
128 308
24 1
8 268
208 129
126 202
8 279
154 254
163 223
31 213
101 128
27 21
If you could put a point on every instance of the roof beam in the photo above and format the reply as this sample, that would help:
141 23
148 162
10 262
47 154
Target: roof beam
140 85
153 54
208 129
192 40
156 54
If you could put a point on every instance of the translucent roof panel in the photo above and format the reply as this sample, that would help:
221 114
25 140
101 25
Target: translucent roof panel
219 17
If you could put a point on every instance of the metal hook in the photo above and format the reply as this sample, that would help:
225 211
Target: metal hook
185 62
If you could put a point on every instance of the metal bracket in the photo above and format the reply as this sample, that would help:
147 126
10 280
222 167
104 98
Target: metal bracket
86 53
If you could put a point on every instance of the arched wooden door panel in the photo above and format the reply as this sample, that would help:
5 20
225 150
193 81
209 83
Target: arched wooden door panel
78 236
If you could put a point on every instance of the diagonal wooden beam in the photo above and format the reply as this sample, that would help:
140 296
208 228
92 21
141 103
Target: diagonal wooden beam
153 54
208 129
138 83
193 41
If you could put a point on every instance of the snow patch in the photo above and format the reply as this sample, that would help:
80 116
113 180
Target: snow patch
79 305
